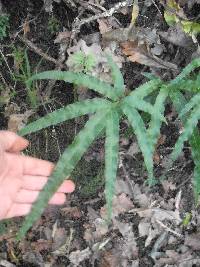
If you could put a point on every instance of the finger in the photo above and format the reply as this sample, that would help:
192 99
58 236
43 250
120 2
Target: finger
18 210
28 197
11 142
33 166
36 183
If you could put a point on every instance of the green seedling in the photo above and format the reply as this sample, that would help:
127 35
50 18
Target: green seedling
108 111
190 27
4 26
24 73
53 25
187 219
82 62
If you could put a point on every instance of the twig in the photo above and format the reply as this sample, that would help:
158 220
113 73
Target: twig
107 13
169 229
4 58
39 51
157 7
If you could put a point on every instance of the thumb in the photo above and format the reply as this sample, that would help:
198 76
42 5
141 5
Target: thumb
11 142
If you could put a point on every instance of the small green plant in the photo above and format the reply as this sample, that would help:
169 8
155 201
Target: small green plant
108 112
82 62
190 27
53 25
24 73
4 26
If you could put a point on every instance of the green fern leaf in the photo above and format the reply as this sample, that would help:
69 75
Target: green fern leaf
195 144
195 100
111 158
179 102
189 85
145 89
69 112
117 76
141 133
79 79
190 124
64 167
155 123
186 71
142 105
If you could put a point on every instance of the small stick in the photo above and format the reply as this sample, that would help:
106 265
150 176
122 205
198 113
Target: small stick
169 229
39 51
107 13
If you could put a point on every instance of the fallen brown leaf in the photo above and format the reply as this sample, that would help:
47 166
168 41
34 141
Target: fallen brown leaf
142 55
41 244
18 121
62 37
76 257
109 259
121 204
193 241
103 25
72 212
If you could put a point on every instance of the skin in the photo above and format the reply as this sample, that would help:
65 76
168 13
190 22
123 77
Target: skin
23 177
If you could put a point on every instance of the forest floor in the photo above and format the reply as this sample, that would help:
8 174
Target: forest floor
151 226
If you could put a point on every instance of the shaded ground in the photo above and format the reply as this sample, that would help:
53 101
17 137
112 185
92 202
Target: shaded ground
148 223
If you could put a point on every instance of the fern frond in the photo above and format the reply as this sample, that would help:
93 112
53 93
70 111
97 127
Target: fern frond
116 75
64 167
79 79
141 133
155 123
186 71
146 88
192 86
142 105
179 102
195 100
190 124
196 182
69 112
111 158
195 144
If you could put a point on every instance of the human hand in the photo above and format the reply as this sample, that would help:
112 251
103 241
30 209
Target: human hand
23 177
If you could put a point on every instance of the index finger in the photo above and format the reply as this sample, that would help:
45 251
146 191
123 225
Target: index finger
34 166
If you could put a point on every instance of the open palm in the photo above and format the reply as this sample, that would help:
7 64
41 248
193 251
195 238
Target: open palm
23 177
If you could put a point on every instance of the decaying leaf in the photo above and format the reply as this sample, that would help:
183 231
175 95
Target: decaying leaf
143 228
18 121
193 241
33 257
142 55
76 257
103 25
62 37
128 245
121 204
177 36
133 34
123 187
110 259
71 212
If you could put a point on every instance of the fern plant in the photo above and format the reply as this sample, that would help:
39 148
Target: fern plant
108 111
